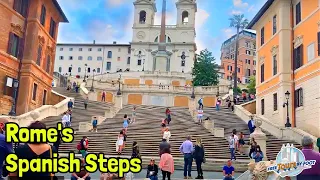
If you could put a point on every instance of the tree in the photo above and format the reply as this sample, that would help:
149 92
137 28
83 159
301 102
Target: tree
252 85
205 70
238 22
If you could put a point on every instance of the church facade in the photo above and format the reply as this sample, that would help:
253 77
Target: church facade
140 54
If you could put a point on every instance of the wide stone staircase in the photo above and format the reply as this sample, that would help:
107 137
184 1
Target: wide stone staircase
229 121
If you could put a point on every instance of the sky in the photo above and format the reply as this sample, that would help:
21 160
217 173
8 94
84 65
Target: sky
111 20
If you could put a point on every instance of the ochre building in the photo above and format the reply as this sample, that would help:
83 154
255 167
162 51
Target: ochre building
28 34
288 60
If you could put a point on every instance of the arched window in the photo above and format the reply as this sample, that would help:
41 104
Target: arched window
185 17
167 38
60 69
142 17
89 58
79 69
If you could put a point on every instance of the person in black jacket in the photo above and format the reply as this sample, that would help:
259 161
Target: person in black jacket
135 150
199 157
152 172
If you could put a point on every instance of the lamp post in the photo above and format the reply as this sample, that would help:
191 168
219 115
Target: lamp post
143 65
85 72
119 92
91 89
14 102
287 95
193 96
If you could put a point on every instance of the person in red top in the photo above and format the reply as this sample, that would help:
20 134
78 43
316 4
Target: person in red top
103 96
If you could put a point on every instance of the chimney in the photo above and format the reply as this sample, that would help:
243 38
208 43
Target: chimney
114 42
94 41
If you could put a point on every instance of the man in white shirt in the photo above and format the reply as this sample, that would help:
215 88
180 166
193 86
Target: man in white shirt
232 145
65 119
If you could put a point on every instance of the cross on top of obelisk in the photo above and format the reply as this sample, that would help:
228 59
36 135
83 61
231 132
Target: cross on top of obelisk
162 43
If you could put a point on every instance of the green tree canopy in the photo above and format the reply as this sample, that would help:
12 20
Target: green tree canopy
252 85
205 70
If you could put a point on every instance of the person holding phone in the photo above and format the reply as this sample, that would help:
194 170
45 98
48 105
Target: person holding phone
228 171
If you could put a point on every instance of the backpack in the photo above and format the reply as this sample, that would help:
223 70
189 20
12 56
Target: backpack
79 145
199 102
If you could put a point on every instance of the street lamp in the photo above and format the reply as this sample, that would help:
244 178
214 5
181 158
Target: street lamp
91 89
119 92
85 72
287 95
143 65
14 102
193 96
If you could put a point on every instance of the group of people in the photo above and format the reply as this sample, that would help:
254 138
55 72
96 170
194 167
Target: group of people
75 86
67 116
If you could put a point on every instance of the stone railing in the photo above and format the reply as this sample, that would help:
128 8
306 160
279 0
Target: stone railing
167 26
41 112
293 134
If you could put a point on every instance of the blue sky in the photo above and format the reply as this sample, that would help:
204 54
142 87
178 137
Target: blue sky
111 20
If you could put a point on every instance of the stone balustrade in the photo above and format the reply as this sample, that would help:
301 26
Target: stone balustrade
41 112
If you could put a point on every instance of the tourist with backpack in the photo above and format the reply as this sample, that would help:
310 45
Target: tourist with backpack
94 124
83 146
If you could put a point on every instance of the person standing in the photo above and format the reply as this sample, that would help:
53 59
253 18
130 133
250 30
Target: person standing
228 171
134 114
86 103
166 134
200 115
186 149
309 154
120 142
168 115
257 155
166 164
5 148
199 157
135 150
70 117
70 104
65 119
218 105
163 145
251 125
241 142
232 145
152 170
103 96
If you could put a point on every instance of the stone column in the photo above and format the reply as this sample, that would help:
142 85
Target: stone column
118 101
260 138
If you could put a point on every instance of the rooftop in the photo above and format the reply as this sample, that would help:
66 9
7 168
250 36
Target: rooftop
91 44
60 11
243 32
256 18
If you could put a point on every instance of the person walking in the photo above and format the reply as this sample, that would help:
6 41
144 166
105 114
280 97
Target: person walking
232 146
199 157
251 125
83 146
94 124
163 145
125 122
134 114
200 102
86 103
135 150
70 104
103 96
119 143
218 105
166 134
168 115
166 164
186 149
70 117
200 115
241 142
152 170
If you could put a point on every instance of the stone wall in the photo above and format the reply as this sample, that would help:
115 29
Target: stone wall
55 98
251 107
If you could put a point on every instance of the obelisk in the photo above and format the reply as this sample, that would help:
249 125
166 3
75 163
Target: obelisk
162 58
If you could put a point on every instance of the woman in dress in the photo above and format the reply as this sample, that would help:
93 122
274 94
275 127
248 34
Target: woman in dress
166 134
241 142
125 122
120 142
134 114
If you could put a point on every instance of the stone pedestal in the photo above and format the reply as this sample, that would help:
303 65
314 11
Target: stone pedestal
118 101
260 138
209 124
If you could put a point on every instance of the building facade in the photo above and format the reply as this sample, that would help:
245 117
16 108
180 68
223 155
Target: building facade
288 42
246 56
27 51
81 59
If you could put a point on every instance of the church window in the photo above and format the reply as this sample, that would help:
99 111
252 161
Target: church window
185 17
157 39
142 17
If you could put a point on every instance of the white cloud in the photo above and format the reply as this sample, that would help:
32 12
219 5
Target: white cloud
201 18
240 4
228 32
236 12
251 8
114 3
